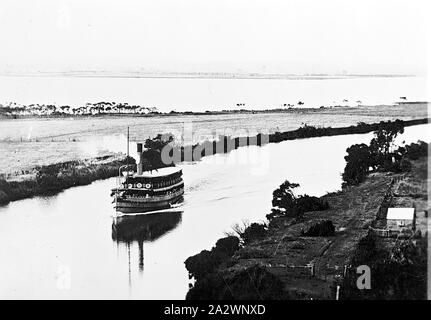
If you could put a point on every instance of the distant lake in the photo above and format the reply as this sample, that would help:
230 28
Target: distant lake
185 94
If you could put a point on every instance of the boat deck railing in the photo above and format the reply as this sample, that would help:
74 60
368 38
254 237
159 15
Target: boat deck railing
166 197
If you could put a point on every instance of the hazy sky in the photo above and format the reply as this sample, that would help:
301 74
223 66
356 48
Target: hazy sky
303 36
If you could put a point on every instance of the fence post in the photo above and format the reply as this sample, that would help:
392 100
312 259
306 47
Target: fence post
312 270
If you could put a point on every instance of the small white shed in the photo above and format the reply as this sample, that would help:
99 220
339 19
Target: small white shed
401 218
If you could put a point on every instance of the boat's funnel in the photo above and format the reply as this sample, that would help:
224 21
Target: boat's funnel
140 164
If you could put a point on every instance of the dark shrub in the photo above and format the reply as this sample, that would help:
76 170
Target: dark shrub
210 287
385 136
200 264
255 231
4 198
321 229
286 204
378 154
308 203
253 283
416 150
4 186
399 161
208 261
48 182
227 246
152 158
358 162
365 250
256 283
253 253
405 165
399 274
283 200
307 131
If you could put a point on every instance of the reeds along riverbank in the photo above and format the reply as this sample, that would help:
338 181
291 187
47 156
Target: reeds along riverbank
225 144
361 127
50 179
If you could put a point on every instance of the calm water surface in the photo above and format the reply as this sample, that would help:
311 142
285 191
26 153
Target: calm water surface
211 94
70 246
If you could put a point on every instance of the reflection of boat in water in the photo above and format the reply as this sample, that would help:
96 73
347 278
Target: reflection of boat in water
148 191
148 227
140 228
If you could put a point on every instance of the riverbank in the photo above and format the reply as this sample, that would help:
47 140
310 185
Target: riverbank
226 144
51 179
297 263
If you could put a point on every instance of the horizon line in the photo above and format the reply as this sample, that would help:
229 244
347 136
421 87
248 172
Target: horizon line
198 75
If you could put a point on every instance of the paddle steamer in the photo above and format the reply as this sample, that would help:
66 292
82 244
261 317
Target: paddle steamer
147 191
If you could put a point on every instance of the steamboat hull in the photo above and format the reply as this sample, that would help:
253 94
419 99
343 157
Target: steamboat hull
148 205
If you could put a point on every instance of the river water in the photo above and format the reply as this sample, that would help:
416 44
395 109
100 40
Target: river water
70 246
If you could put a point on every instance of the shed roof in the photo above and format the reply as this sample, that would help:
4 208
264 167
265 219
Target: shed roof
400 214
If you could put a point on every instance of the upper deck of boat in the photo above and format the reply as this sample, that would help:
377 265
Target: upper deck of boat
159 173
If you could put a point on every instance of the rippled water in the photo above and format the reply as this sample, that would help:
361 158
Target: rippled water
70 246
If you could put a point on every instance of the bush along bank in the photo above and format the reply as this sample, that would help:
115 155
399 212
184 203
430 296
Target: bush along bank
381 154
51 179
213 281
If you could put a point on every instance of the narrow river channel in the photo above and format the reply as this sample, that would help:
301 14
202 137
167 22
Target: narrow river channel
70 246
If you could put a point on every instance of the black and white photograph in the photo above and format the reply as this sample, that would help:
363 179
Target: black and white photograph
216 150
